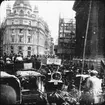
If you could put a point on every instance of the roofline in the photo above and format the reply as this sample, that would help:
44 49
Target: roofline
76 5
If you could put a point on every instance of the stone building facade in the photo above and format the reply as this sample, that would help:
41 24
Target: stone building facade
90 28
95 43
25 32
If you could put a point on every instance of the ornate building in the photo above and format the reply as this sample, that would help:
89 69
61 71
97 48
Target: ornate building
25 32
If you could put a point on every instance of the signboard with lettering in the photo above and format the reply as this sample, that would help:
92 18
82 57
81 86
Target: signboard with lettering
27 65
54 61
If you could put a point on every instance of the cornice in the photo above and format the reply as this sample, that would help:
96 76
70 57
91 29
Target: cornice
76 4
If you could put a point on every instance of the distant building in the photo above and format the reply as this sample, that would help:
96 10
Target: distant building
25 32
52 47
66 40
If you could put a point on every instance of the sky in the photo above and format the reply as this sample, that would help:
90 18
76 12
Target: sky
49 10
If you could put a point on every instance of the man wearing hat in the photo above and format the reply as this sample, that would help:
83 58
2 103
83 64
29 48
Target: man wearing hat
93 89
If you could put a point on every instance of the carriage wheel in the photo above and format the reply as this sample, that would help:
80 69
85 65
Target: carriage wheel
7 95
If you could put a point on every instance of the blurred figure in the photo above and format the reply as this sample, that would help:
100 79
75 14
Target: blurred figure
93 90
1 63
8 60
7 95
38 64
19 58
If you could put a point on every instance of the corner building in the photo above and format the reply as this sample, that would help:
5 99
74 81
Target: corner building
25 32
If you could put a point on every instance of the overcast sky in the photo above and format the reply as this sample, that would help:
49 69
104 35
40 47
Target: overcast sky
49 10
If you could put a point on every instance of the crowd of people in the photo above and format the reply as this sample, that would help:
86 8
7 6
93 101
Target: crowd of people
39 61
69 70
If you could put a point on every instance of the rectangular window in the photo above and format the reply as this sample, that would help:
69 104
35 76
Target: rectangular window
21 21
12 21
13 30
61 35
19 48
12 38
29 48
30 23
29 31
20 30
61 28
29 51
67 27
29 39
20 38
12 49
62 24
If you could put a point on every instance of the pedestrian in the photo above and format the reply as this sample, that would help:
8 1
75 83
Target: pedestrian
1 63
93 90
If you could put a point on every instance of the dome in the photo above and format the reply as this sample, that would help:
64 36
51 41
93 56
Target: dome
24 2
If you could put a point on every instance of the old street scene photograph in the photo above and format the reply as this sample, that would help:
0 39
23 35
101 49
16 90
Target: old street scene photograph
52 52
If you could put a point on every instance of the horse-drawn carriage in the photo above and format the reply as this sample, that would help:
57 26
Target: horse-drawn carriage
32 86
25 84
53 83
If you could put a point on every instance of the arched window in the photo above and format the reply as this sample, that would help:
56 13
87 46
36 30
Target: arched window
21 12
28 12
14 11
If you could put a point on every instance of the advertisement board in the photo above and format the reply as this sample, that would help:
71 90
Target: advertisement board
54 61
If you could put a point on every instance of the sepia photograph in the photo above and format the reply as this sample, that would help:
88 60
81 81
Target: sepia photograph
52 52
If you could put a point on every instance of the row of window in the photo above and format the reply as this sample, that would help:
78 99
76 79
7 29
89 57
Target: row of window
66 28
20 49
67 35
26 22
68 24
67 45
21 21
29 38
21 12
21 31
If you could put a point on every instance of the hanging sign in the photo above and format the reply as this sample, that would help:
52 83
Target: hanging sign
27 65
54 61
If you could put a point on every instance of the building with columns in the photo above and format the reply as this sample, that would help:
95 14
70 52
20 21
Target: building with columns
90 18
90 25
25 32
